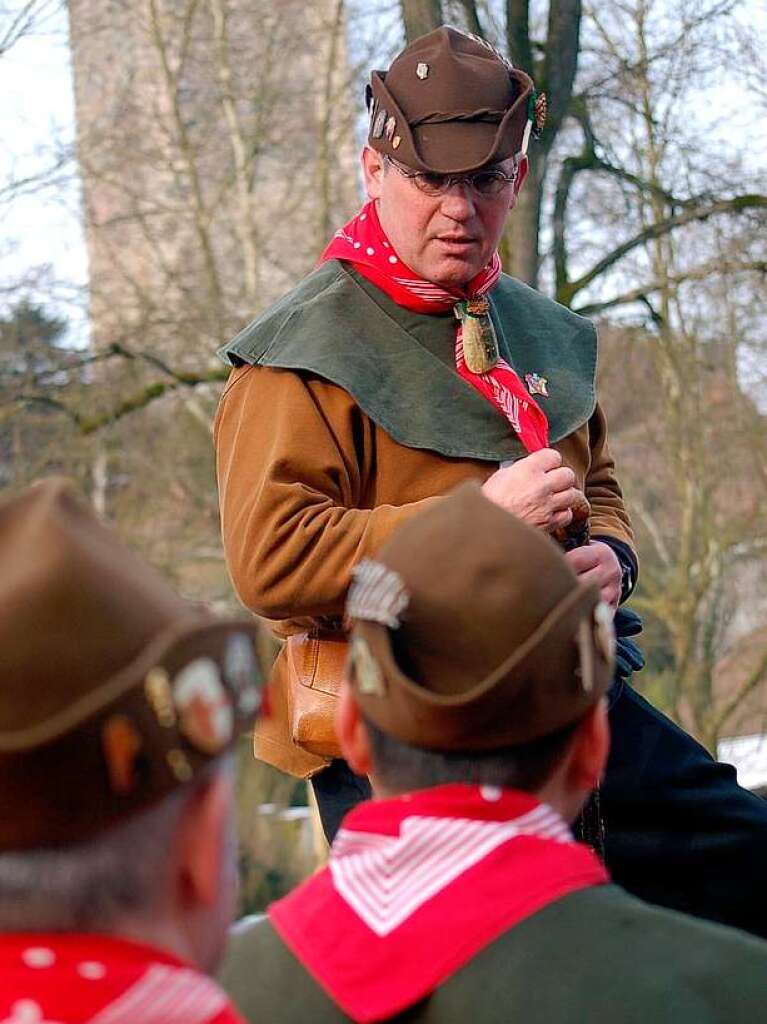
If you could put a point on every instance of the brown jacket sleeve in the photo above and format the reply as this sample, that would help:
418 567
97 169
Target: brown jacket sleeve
608 512
296 461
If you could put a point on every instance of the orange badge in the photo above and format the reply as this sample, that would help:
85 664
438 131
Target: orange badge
121 743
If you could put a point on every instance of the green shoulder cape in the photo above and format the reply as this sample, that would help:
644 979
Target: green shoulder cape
399 365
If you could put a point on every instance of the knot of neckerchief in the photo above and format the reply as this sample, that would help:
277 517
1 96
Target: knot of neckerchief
363 243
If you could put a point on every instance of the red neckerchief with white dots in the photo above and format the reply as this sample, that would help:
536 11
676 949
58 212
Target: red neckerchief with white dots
416 886
363 243
96 979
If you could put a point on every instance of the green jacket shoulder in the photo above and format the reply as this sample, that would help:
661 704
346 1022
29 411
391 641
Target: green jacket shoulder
598 955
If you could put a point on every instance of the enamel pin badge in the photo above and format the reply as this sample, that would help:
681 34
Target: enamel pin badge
537 385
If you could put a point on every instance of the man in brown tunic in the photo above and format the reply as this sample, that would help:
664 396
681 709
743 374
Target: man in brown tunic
404 364
476 703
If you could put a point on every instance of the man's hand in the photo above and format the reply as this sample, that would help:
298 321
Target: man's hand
537 488
597 563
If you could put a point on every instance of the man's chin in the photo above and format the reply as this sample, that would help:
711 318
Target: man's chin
454 272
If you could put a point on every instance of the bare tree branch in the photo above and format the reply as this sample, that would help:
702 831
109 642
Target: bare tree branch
735 205
699 273
752 683
89 424
23 21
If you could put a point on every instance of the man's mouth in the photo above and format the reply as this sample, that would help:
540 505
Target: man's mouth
456 241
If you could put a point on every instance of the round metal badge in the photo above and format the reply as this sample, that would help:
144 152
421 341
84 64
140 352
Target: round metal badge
204 708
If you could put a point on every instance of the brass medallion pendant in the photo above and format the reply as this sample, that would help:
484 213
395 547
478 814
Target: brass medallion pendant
480 344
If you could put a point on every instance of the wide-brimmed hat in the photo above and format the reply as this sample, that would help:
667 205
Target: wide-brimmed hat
471 632
113 690
449 104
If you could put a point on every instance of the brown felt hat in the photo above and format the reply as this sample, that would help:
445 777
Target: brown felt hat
471 631
113 690
450 104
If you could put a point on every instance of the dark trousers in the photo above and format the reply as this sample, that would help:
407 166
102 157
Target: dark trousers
338 789
679 831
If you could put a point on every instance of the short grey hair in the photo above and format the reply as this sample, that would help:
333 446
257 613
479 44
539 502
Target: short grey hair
93 885
400 767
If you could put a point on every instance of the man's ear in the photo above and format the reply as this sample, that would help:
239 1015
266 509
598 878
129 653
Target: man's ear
202 838
373 169
590 748
351 732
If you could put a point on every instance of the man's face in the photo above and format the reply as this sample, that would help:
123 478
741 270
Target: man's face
447 238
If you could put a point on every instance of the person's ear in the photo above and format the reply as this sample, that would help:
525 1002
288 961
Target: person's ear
590 749
202 841
351 732
373 169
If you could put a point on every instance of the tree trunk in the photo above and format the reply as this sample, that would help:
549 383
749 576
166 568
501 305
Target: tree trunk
520 244
554 75
420 17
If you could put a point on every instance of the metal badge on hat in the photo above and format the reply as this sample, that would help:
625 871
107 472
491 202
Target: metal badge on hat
205 712
540 110
159 694
367 672
422 70
391 124
378 123
377 594
480 343
585 640
121 743
604 631
537 108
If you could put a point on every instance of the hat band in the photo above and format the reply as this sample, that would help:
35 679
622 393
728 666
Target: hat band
485 115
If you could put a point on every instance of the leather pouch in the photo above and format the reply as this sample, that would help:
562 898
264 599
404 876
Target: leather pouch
316 665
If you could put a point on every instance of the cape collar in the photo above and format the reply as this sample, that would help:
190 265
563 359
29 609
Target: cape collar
399 365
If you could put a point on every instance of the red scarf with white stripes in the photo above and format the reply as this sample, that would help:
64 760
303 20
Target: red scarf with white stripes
418 885
94 979
363 243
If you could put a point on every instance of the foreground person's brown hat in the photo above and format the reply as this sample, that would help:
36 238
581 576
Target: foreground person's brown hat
449 104
471 631
113 690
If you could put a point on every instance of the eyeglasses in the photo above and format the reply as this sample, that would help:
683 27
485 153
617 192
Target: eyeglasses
485 183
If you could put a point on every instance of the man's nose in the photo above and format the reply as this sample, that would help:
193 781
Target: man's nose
458 201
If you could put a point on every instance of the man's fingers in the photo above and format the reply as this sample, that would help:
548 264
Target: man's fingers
565 500
545 459
563 518
561 479
583 559
593 575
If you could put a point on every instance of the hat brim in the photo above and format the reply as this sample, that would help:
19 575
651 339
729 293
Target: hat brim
460 146
56 775
496 712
